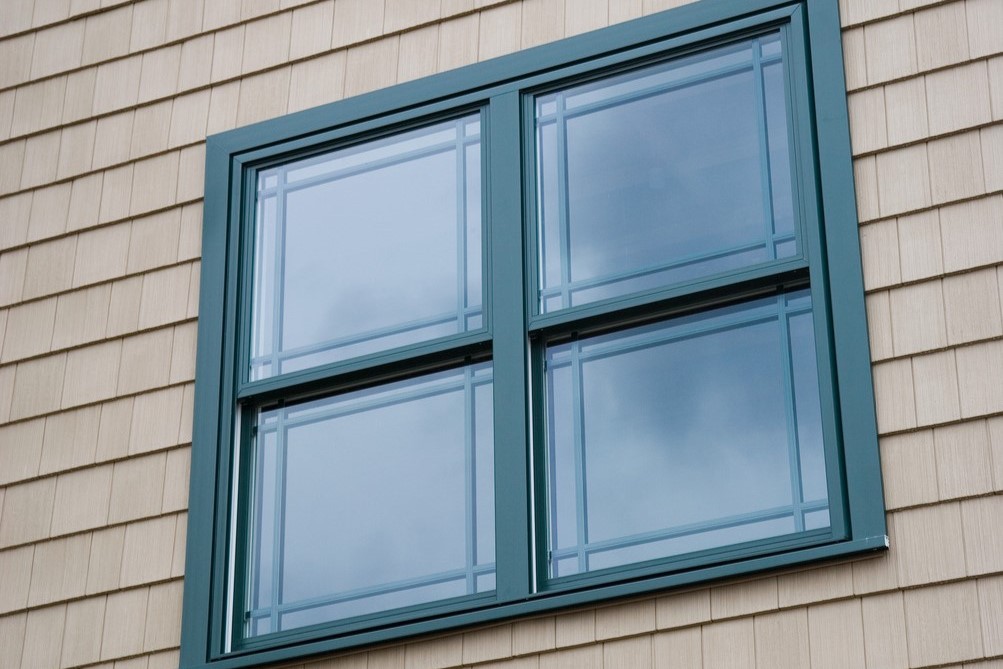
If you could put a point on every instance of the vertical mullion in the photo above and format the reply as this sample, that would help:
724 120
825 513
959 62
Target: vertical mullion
766 179
278 526
547 477
790 410
470 485
563 206
256 504
461 228
259 287
510 348
278 283
578 429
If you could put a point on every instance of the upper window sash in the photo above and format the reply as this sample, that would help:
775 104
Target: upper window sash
367 248
779 110
683 166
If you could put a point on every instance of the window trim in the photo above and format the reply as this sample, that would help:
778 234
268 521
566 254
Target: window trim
505 81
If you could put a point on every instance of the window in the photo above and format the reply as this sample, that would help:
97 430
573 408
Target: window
575 324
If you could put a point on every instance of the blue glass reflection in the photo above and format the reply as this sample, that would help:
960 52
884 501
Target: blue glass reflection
368 248
664 174
694 433
373 500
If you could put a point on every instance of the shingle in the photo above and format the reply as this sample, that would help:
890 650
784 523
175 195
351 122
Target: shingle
927 541
57 49
117 84
266 42
312 26
356 21
37 106
227 53
956 168
60 569
106 35
81 500
163 617
943 624
500 31
81 316
70 439
317 81
148 550
27 511
43 636
15 565
741 599
37 386
149 24
491 643
79 100
124 623
909 469
193 72
154 183
371 66
625 619
781 640
113 138
418 53
41 159
76 150
941 35
868 129
150 129
935 378
20 450
980 367
29 330
91 374
137 492
836 635
104 567
263 96
891 49
731 643
686 608
83 630
634 652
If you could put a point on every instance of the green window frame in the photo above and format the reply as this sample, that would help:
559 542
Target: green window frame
517 342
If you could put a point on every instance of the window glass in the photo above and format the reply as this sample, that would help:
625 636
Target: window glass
664 174
684 435
373 500
368 248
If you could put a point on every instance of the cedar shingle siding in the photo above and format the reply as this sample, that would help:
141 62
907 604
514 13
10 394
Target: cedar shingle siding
104 108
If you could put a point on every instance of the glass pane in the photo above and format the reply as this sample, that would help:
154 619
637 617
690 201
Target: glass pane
685 435
664 174
368 248
373 500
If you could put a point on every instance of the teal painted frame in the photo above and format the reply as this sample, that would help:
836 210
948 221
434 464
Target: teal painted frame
501 85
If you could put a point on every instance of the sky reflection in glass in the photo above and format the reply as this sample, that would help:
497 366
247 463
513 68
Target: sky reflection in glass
664 174
684 435
368 248
373 500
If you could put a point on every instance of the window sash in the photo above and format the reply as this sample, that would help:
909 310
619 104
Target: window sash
555 110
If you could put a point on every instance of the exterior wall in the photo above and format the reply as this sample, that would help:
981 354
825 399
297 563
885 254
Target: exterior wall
103 114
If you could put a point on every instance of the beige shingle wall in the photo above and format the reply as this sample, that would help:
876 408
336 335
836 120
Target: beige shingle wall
104 106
